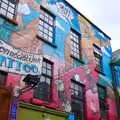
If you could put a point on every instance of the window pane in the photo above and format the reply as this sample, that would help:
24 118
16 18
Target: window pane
9 15
6 1
49 72
12 5
2 11
48 80
42 79
43 90
11 10
50 39
8 8
49 66
75 45
46 21
44 70
5 6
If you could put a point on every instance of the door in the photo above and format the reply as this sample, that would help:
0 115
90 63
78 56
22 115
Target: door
4 104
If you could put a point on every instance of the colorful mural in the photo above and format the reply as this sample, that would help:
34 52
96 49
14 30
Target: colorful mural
23 38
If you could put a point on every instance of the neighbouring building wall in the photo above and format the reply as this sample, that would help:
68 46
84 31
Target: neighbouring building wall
54 44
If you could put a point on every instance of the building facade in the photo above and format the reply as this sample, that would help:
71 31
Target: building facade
115 64
51 48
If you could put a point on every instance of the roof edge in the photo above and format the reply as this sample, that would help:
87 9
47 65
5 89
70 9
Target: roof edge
88 19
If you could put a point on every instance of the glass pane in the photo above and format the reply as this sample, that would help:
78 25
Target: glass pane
49 72
50 22
46 19
44 70
40 33
50 28
10 15
48 81
42 79
46 31
5 6
76 93
41 22
49 66
46 25
50 34
6 1
11 10
50 39
12 5
40 28
46 36
2 11
42 16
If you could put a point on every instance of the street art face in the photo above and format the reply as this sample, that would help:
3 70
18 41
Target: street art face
24 38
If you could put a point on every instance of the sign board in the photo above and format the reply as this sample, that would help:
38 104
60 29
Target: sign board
17 61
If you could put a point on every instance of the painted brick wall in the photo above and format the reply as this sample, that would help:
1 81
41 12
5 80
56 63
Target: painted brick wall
23 36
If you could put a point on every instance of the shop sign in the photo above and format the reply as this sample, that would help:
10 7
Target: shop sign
17 61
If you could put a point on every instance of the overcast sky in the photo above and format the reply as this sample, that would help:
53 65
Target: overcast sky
105 14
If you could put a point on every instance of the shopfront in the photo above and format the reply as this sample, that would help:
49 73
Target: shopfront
28 111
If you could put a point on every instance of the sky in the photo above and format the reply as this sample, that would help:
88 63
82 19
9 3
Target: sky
103 13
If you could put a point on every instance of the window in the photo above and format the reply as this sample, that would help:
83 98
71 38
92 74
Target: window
75 45
98 58
102 101
8 8
46 26
3 76
42 91
78 100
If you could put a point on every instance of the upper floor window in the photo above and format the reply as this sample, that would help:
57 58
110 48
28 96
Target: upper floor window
8 8
43 90
102 101
78 100
98 58
75 44
3 76
46 26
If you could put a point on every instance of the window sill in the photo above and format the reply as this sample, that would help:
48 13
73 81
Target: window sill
9 20
79 60
100 72
51 44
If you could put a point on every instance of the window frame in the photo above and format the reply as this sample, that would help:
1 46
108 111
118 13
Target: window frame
102 101
98 56
80 100
52 43
49 93
13 21
77 44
